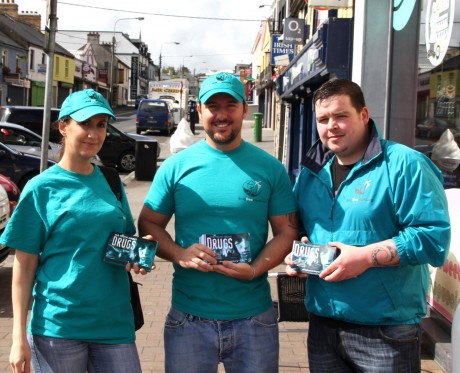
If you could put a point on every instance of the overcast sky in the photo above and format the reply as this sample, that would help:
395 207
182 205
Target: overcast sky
217 33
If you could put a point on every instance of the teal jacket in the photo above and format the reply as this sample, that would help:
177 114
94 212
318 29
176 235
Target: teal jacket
392 192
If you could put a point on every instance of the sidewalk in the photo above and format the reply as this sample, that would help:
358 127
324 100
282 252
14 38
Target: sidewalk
156 292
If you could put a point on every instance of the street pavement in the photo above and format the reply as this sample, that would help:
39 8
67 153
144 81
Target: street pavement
156 294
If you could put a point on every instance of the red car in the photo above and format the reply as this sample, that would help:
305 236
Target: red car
11 189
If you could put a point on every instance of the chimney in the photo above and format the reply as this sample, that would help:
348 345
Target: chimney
94 38
32 18
9 7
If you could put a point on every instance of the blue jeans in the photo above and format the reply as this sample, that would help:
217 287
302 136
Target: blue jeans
360 348
197 345
55 355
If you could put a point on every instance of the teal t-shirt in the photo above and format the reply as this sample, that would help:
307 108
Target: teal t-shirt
215 192
66 219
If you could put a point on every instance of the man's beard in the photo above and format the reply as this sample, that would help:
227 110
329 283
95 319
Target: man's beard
233 135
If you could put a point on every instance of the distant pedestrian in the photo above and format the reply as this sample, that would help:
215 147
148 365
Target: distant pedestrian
193 115
81 319
221 313
383 206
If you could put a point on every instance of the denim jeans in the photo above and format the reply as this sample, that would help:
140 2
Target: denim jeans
361 348
55 355
197 345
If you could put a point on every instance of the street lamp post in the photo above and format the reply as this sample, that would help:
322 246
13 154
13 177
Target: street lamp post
161 48
183 65
112 63
194 67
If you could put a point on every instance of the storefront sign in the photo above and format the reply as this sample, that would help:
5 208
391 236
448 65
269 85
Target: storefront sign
134 72
307 66
327 50
402 11
444 292
294 30
330 3
281 53
438 28
443 92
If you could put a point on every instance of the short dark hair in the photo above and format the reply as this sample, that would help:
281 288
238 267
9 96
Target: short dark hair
336 86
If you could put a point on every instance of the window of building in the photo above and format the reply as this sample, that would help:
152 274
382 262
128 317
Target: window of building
57 67
438 94
4 60
32 59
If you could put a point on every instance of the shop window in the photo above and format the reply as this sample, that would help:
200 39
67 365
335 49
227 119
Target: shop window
438 96
438 93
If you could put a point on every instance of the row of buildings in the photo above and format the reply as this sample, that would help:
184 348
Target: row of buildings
406 57
114 64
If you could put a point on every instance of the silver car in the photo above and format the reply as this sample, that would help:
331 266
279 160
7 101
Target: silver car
24 140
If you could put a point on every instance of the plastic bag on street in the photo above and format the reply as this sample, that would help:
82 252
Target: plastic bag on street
182 138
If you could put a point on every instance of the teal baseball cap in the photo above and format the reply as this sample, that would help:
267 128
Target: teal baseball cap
82 105
222 83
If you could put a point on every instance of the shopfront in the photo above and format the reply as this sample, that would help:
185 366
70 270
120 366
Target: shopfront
437 132
326 54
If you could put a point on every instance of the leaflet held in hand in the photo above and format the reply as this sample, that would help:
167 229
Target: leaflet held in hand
122 249
231 247
311 258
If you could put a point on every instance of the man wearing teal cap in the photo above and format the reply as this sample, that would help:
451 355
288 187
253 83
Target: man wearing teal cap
221 313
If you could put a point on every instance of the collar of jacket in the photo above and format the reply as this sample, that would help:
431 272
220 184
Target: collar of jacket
319 155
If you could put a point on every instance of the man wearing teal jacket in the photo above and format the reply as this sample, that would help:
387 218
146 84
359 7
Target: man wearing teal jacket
383 206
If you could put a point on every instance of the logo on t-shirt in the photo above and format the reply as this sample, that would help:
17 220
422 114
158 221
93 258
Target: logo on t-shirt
252 188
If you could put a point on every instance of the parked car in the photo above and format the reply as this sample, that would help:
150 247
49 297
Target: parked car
118 150
4 217
31 117
155 115
26 141
139 98
12 190
18 166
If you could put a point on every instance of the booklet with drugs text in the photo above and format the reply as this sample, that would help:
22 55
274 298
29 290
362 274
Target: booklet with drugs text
232 247
122 249
311 258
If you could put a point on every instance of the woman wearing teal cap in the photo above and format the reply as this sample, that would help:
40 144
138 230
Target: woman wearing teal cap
81 319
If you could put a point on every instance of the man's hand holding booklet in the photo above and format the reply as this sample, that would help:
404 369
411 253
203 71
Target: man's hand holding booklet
232 247
312 258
